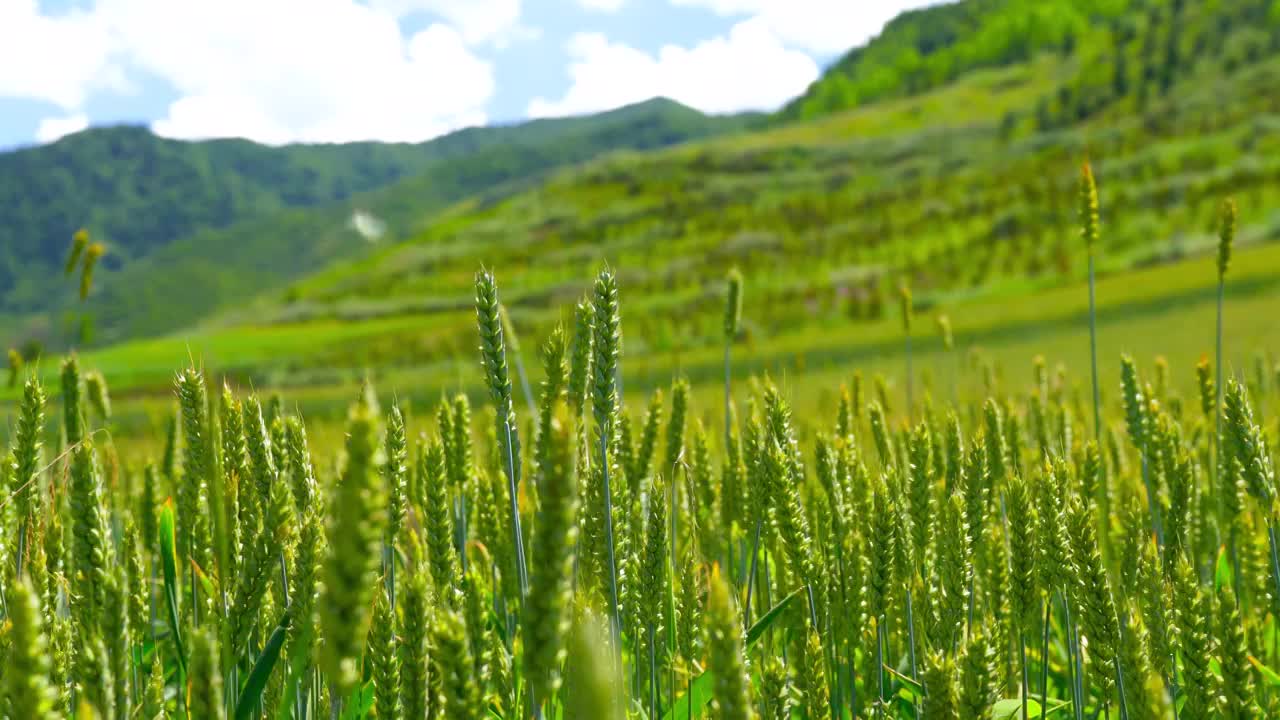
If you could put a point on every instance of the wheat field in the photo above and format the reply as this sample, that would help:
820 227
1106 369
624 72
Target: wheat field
1071 546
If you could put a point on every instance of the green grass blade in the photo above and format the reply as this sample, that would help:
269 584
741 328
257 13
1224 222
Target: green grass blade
911 690
699 694
261 672
700 690
169 566
1271 677
1009 709
359 703
1223 575
771 617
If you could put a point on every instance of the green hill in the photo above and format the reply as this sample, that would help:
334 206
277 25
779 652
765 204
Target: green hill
928 48
192 226
958 191
966 191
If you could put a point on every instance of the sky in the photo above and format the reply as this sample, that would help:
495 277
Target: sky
284 71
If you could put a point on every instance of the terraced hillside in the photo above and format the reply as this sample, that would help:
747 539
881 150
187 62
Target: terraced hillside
192 227
965 191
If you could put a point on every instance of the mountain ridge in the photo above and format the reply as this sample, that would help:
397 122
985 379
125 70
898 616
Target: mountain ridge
255 195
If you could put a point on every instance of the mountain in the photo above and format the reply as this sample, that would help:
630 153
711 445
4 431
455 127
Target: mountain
967 189
931 47
190 226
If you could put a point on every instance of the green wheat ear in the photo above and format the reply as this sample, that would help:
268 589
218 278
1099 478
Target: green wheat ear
1089 231
1022 555
1193 619
942 694
551 584
653 572
581 355
608 347
944 330
551 353
1236 696
452 657
88 537
1088 206
27 667
733 305
1248 444
812 680
731 700
91 255
775 690
396 471
905 305
1226 235
1205 386
438 523
412 644
93 676
192 398
79 241
383 661
154 707
676 425
493 355
604 402
72 414
1098 616
15 367
204 699
115 628
26 481
978 674
357 515
96 389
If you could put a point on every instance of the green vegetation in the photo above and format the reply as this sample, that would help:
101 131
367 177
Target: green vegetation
924 49
912 579
888 409
1121 48
957 191
191 228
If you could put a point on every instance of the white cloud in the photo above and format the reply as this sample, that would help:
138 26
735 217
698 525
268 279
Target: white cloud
602 5
275 72
748 69
821 26
55 59
52 128
351 75
478 21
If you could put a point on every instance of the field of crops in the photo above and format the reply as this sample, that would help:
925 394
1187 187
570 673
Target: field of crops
959 544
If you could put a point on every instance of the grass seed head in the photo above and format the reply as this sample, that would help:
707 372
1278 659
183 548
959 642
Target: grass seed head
79 241
733 305
731 700
357 519
27 667
1226 235
1088 207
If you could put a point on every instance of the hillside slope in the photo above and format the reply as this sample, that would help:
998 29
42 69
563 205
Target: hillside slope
192 226
969 189
1143 43
967 192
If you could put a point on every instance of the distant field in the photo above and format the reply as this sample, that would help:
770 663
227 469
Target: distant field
1166 310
